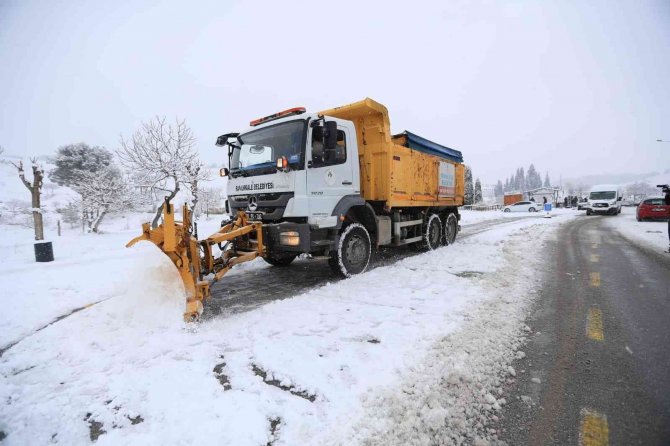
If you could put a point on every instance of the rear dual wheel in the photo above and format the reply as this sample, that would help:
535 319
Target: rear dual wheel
432 233
450 229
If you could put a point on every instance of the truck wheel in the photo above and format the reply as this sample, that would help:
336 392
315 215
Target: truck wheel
588 212
450 229
284 260
432 233
353 251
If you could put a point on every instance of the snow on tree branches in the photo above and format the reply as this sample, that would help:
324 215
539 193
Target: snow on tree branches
75 160
102 192
161 157
469 197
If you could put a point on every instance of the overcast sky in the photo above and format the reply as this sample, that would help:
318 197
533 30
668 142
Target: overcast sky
576 87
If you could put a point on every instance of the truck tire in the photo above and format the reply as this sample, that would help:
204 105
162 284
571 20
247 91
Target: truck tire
353 251
431 233
450 229
588 212
284 260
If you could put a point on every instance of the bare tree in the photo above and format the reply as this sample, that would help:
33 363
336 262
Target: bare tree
639 190
35 189
101 193
210 197
162 157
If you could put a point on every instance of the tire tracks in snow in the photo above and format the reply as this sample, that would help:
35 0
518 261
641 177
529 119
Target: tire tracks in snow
53 321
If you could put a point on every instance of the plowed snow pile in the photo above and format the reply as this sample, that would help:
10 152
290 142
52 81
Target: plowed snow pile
152 293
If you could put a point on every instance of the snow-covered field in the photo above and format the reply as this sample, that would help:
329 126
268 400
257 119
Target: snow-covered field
651 234
411 353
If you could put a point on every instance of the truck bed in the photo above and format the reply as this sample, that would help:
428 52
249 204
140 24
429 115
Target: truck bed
404 170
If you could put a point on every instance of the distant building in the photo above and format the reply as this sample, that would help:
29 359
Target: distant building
552 194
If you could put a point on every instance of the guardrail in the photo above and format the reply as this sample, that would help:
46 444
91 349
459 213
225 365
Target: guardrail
482 207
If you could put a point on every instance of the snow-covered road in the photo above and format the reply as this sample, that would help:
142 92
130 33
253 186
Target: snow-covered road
408 353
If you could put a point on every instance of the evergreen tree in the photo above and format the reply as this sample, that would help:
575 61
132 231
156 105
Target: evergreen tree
469 190
547 183
74 161
478 191
533 179
522 180
498 191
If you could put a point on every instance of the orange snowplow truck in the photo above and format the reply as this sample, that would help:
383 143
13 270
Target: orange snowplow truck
335 184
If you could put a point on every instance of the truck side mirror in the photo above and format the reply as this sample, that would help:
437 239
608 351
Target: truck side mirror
330 136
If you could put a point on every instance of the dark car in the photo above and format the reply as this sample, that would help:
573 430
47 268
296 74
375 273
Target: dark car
653 209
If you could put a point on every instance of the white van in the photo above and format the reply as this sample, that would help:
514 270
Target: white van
604 199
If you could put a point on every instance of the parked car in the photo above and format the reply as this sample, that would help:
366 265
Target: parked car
582 204
524 206
653 209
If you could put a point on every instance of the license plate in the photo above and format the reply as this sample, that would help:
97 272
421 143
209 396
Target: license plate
255 216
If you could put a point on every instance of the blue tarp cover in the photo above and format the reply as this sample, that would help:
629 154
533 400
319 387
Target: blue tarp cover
423 145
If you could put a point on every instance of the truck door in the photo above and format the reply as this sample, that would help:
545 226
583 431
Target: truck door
330 174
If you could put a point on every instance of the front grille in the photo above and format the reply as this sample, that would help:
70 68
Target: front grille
272 204
600 205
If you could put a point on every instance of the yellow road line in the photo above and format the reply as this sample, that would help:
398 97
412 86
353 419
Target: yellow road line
594 279
595 258
593 430
594 324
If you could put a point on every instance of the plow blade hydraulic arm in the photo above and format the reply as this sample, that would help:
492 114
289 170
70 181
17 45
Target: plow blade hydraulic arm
198 268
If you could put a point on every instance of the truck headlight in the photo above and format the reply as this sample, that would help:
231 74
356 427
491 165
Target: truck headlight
289 238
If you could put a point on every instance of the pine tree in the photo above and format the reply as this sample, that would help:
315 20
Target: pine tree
533 178
498 191
469 190
547 183
478 191
73 161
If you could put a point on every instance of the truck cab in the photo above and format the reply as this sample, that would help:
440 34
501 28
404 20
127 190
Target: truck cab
291 171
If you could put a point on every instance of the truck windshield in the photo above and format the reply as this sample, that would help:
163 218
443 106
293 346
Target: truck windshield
604 195
259 149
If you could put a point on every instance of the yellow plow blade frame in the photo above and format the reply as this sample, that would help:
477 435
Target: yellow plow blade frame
194 258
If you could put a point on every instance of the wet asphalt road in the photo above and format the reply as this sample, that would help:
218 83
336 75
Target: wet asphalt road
597 365
245 290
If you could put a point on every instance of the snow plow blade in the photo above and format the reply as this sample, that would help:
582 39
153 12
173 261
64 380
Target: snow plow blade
194 259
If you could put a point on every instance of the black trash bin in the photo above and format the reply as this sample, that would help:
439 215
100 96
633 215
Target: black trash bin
44 252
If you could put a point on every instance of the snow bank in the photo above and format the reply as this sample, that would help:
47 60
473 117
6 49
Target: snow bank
152 292
650 234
